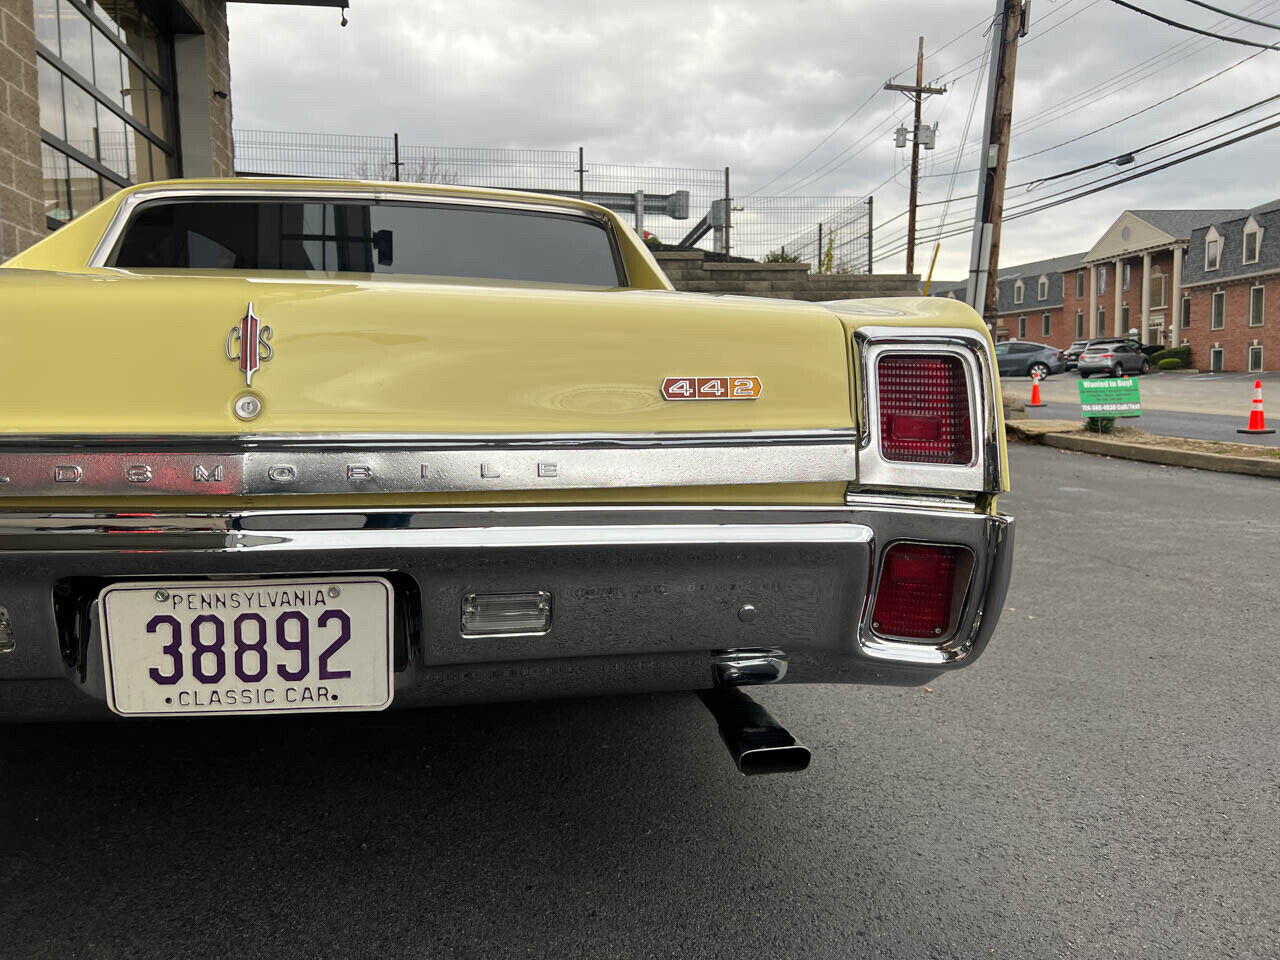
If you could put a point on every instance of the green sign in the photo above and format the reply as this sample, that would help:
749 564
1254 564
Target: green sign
1114 397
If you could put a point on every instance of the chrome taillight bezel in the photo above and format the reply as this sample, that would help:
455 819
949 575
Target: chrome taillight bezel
982 473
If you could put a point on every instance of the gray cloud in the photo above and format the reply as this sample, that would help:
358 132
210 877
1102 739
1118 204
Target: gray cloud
754 85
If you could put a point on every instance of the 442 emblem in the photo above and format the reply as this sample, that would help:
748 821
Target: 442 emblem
249 344
711 388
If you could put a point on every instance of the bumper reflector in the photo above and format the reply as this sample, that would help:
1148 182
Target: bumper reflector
917 591
924 409
505 614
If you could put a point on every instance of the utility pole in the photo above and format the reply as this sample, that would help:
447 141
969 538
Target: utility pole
984 262
917 93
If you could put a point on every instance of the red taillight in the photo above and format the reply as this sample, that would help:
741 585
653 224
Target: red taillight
916 591
1105 356
924 409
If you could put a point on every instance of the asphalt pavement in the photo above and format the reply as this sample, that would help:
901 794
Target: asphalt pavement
1104 782
1172 423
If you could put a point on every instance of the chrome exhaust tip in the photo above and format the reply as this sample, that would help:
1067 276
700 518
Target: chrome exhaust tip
757 743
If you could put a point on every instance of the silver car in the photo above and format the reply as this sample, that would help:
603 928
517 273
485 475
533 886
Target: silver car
1112 360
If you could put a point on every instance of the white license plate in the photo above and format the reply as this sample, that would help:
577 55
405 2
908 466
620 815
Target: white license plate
247 646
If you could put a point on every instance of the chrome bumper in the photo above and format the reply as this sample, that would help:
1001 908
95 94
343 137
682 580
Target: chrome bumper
645 598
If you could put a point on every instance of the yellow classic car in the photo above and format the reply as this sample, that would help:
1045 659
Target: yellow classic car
285 445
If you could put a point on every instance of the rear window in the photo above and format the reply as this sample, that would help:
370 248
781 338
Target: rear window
420 239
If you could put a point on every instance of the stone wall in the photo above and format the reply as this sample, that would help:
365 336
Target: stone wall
690 272
21 181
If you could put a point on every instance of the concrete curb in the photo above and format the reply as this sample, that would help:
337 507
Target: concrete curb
1084 443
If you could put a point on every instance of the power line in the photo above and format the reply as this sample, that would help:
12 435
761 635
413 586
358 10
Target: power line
896 240
1130 116
1027 209
1188 27
1089 96
841 125
1156 143
1235 16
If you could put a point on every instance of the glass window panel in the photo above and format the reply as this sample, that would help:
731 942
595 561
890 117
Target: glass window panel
77 43
145 39
135 86
414 239
109 13
157 117
140 156
82 118
160 165
85 188
52 117
113 143
57 201
47 23
106 68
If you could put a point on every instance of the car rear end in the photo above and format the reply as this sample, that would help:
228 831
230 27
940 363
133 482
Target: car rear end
1100 359
1072 354
467 493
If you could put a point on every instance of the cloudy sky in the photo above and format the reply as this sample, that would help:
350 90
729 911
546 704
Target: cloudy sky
787 94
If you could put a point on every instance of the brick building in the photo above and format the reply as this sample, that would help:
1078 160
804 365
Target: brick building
98 94
1231 286
1208 277
1031 300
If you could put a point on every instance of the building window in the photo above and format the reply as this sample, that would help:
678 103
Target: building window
1102 280
1046 324
1079 284
1215 360
1219 316
1079 324
1022 328
1255 358
1186 312
1102 320
1124 317
1126 276
105 89
1252 240
1157 291
1211 248
1257 302
1042 289
1017 292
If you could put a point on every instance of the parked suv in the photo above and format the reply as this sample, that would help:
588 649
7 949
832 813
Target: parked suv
1113 358
1019 358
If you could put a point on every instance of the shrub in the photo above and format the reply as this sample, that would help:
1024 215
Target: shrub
781 257
1100 424
1170 363
1181 352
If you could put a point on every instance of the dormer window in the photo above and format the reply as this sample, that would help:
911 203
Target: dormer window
1018 292
1252 240
1042 289
1212 249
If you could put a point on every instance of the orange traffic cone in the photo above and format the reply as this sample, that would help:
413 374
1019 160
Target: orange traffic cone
1035 392
1257 419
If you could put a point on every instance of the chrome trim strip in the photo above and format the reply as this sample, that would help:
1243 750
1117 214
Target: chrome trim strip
441 528
427 469
115 228
982 473
247 441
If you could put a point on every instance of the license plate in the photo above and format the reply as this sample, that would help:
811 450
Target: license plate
247 646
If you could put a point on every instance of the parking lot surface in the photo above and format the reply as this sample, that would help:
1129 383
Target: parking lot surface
1103 783
1221 394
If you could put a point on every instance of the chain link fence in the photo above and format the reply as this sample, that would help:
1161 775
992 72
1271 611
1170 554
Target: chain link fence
673 206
